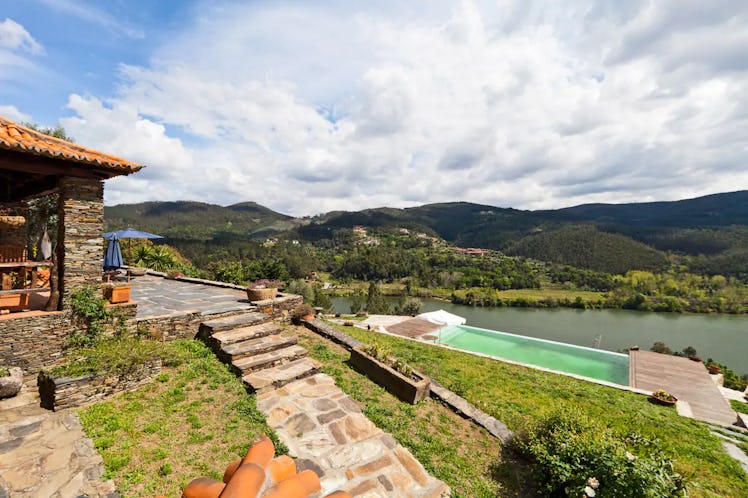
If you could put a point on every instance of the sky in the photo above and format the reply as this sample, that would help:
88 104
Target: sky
310 106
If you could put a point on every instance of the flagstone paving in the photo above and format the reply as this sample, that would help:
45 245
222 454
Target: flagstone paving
158 296
46 454
326 431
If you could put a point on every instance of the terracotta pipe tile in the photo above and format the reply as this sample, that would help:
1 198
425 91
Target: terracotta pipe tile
281 468
203 487
246 482
261 452
299 486
231 469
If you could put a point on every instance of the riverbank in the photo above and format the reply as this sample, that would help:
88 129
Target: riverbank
721 337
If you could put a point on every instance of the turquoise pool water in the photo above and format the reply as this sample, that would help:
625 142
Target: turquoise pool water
593 363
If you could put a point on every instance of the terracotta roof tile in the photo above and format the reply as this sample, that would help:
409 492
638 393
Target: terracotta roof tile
16 137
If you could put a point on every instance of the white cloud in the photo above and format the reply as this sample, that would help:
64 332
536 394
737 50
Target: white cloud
308 108
14 37
12 113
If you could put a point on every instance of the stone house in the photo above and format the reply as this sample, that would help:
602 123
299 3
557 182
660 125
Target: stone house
33 166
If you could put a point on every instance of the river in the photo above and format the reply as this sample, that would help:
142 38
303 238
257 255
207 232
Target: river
722 337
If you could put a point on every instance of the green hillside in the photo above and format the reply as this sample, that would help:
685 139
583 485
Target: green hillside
584 246
190 220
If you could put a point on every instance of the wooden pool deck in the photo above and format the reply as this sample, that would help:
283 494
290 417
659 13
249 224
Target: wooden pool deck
687 380
414 328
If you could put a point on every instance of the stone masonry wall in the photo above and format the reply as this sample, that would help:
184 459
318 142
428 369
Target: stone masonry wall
38 339
66 392
33 341
15 236
181 325
79 242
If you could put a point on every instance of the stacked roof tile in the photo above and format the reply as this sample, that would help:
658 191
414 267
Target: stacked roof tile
16 137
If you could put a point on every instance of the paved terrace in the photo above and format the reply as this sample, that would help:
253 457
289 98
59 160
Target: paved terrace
687 380
158 296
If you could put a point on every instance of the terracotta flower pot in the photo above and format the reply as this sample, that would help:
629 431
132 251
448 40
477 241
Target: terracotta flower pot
663 401
119 294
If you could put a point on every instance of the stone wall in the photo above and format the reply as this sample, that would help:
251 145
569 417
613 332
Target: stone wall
279 307
14 236
34 341
80 248
37 339
180 325
67 392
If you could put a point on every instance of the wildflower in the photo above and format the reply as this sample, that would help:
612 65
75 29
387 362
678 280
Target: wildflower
589 492
630 456
593 483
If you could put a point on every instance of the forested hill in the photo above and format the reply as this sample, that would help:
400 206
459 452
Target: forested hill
708 225
197 220
597 236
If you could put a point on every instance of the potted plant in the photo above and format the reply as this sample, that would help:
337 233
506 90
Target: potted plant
117 293
302 312
393 374
261 290
663 397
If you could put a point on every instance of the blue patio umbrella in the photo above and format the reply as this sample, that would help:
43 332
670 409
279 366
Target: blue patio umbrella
130 233
113 256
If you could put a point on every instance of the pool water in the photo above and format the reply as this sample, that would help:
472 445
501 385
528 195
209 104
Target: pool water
593 363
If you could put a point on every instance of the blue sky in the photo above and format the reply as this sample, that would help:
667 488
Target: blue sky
309 106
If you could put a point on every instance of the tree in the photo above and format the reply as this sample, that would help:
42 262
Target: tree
57 132
375 302
661 347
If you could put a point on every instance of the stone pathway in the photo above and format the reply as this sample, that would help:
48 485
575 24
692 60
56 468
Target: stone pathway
46 454
322 427
327 432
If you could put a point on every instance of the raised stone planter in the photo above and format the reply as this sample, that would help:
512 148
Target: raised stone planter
65 392
410 390
261 294
11 384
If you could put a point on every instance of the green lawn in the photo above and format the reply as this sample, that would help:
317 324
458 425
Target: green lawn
517 395
192 421
451 448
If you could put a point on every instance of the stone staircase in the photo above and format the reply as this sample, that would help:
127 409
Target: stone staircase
256 351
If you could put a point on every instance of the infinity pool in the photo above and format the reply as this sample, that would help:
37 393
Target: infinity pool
593 363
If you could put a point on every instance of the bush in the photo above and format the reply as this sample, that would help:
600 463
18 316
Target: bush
571 453
4 372
89 308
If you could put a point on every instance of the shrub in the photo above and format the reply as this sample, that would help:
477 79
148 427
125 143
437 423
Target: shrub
572 455
89 308
4 372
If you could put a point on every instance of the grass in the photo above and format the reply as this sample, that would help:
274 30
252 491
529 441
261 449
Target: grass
517 395
192 421
113 356
739 406
559 294
466 457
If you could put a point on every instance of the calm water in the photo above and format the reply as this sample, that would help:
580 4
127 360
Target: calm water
722 337
594 363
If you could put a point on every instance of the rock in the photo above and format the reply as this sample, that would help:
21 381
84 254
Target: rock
11 384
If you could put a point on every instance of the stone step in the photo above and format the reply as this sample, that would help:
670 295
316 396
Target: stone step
233 336
232 352
210 327
273 378
271 359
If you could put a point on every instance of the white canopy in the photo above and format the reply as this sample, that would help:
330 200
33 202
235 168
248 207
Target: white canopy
442 317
